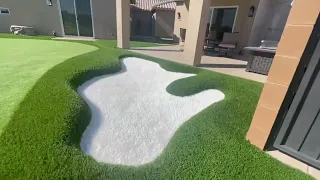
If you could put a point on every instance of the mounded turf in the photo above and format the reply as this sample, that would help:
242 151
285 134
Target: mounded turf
23 62
42 139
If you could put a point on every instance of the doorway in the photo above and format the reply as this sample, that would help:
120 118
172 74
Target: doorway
76 17
222 19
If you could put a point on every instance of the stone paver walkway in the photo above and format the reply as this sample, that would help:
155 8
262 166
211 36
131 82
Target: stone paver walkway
224 65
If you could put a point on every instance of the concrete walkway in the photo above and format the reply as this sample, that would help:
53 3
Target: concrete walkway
234 67
76 38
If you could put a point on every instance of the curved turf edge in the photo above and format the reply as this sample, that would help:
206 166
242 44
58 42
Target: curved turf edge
42 139
52 118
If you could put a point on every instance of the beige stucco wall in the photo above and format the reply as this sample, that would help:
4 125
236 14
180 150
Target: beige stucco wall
183 9
35 13
164 23
123 23
260 27
269 28
243 23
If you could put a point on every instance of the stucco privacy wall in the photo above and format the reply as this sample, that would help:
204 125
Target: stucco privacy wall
270 28
243 22
182 22
291 47
35 13
164 23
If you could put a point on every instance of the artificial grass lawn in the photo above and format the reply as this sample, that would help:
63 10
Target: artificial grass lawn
23 62
42 139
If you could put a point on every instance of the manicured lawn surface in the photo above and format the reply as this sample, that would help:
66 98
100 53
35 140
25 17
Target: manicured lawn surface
42 139
23 62
103 43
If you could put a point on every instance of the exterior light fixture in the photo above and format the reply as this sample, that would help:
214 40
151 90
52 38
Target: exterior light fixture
179 16
251 11
49 2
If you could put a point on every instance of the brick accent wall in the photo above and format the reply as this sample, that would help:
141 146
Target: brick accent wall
298 29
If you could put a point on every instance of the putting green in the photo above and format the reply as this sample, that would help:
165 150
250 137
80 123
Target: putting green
23 62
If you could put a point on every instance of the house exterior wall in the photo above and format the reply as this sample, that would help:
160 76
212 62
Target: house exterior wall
45 19
291 47
269 28
34 13
280 10
5 23
164 23
243 23
183 9
141 22
260 27
104 19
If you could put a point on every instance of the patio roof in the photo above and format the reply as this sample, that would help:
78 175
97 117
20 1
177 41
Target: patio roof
148 5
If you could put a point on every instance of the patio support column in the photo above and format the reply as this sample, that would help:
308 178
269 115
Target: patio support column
196 29
123 23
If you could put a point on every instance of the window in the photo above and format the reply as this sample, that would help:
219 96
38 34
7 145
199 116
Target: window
222 19
4 11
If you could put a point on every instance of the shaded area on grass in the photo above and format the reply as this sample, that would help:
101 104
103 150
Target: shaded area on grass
42 139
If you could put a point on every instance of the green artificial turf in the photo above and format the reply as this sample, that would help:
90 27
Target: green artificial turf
42 139
23 62
32 58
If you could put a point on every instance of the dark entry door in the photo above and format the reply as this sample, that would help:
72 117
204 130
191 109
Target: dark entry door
299 134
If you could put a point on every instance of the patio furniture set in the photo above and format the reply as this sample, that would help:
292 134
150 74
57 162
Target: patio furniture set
261 57
228 42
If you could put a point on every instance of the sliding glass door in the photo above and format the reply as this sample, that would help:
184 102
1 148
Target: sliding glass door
83 8
69 17
222 19
76 17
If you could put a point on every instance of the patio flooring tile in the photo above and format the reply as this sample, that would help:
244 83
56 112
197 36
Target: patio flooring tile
290 161
234 67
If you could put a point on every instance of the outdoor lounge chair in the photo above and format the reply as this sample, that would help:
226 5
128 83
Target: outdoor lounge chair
229 42
211 41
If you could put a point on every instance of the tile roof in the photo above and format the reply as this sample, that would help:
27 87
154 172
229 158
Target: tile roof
155 4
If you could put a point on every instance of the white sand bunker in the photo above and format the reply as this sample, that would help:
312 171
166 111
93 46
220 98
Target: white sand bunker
133 116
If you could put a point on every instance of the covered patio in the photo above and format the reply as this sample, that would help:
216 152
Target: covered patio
193 49
250 29
235 66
